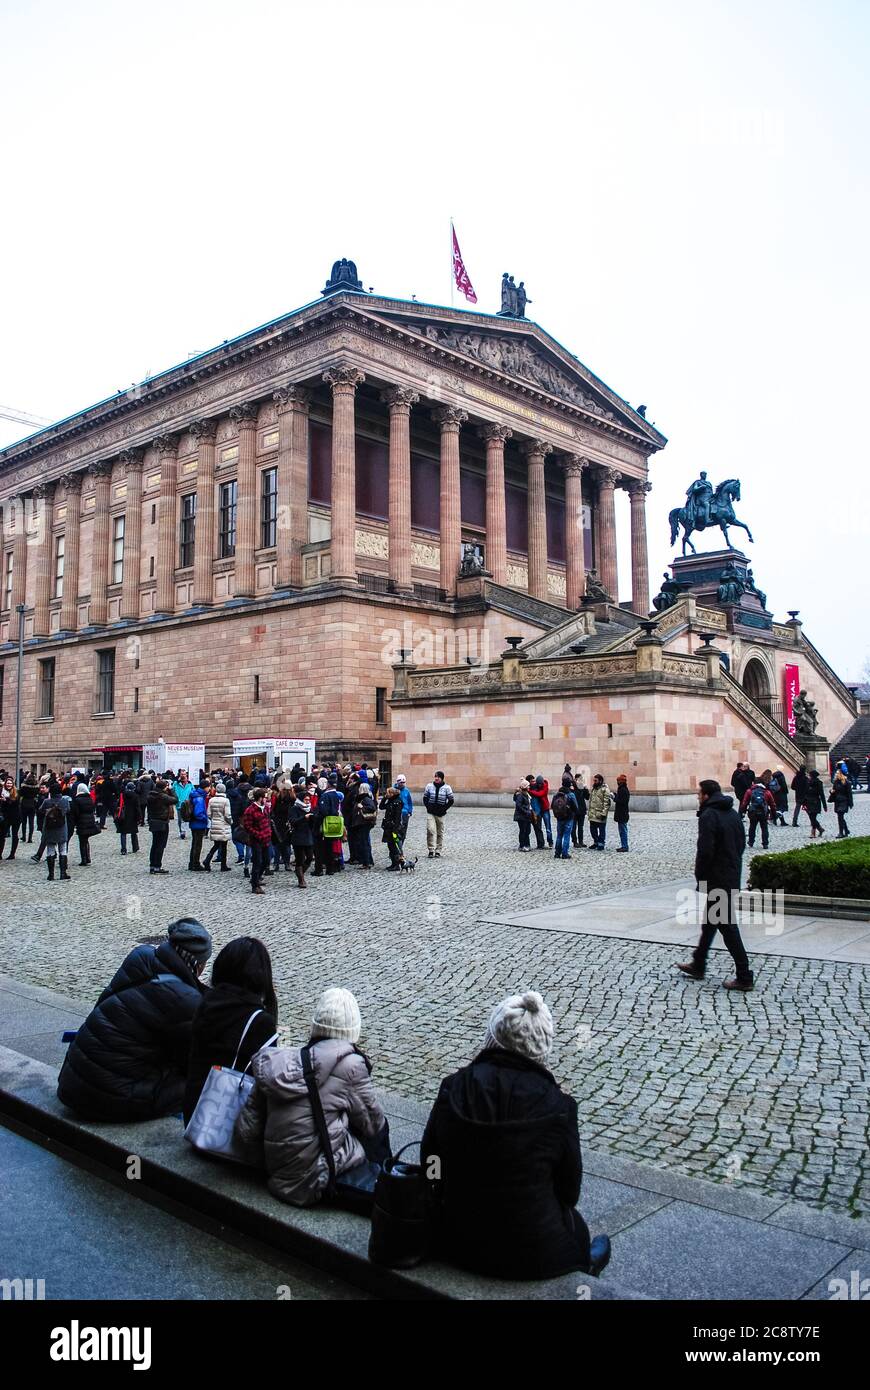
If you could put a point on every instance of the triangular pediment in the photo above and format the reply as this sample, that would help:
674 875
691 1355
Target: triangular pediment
520 350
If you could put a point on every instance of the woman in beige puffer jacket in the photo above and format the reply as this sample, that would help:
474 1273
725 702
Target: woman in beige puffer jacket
278 1121
220 824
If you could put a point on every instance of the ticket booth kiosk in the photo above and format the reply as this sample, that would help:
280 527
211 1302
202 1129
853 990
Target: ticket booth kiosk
252 755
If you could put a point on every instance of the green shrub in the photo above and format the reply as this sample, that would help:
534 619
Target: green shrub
826 869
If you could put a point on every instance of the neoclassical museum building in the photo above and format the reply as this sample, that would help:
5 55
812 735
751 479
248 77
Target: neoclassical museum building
372 523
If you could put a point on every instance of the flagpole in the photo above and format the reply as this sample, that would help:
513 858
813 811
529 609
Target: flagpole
452 277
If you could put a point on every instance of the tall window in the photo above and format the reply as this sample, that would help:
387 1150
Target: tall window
227 521
269 508
59 548
380 704
7 581
46 688
2 670
188 529
118 549
106 681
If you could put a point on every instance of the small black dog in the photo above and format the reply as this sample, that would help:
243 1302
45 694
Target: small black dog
408 865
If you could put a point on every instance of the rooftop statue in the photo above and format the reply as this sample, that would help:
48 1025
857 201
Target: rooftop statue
513 298
671 591
706 507
343 277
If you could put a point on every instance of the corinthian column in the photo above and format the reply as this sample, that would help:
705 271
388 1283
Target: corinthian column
292 529
167 449
131 462
496 525
575 567
203 432
607 565
98 612
451 420
399 400
536 451
19 567
244 582
344 380
69 606
43 492
639 564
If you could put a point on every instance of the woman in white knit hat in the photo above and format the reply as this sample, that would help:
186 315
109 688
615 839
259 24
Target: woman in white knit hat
503 1147
281 1117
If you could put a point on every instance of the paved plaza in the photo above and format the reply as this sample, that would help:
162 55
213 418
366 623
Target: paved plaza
764 1092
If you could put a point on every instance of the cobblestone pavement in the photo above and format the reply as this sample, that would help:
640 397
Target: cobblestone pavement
767 1089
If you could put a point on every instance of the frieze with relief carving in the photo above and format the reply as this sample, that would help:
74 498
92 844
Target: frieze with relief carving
556 584
425 557
583 671
423 683
686 666
373 544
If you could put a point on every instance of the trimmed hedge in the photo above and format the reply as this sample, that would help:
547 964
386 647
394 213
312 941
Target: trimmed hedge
825 869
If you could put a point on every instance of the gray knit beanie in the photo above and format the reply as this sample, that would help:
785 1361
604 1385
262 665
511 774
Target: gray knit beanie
337 1016
522 1023
191 939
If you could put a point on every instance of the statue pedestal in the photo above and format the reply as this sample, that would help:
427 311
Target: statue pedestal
703 574
815 752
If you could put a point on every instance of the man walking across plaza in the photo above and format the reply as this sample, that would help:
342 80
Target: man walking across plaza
718 866
759 804
437 798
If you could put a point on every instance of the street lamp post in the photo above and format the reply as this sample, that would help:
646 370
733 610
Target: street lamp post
20 611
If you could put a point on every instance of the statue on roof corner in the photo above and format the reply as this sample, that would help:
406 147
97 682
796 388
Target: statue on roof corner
513 298
343 277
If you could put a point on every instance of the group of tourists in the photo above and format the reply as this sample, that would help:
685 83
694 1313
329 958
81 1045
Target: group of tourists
563 817
763 799
292 821
500 1155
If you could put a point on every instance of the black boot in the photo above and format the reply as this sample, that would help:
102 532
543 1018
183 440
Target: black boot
50 870
63 867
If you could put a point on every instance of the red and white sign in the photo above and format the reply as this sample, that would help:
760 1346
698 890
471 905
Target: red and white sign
460 274
790 691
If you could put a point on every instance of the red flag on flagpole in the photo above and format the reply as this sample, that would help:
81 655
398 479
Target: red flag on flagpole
460 274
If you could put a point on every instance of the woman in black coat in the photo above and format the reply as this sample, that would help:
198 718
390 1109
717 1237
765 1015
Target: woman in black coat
84 821
509 1170
29 794
242 997
841 800
129 1059
814 802
129 818
620 813
301 819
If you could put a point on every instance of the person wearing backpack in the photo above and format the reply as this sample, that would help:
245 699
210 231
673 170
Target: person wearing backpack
197 805
182 789
565 811
54 829
758 803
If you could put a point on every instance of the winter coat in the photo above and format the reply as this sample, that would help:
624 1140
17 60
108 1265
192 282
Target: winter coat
10 812
583 796
599 803
392 821
841 797
258 824
769 802
364 809
407 802
161 807
128 1060
58 834
329 803
301 825
620 813
572 809
219 819
523 813
438 800
741 782
540 795
278 1119
721 842
127 819
182 791
199 810
779 787
814 796
510 1169
218 1025
83 815
28 794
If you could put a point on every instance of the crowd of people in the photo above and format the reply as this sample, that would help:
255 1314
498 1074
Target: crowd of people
763 798
562 818
501 1149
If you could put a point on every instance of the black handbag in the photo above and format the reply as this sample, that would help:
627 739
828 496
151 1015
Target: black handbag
401 1217
355 1189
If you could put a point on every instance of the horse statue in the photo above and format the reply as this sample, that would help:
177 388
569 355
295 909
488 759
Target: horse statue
721 513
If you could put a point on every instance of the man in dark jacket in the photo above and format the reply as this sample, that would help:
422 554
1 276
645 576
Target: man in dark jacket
503 1150
128 1060
799 784
759 804
742 780
718 866
161 810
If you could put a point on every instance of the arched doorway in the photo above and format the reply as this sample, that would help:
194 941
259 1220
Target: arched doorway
756 683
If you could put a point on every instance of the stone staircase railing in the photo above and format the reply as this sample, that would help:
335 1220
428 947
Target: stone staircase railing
764 726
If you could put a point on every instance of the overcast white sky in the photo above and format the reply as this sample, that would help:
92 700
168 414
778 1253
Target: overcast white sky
683 186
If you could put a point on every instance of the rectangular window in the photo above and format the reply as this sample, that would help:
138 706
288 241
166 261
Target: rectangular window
106 681
7 581
59 548
188 530
151 567
227 521
136 700
269 508
118 549
380 704
46 688
256 690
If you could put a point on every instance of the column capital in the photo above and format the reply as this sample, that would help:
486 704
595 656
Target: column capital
72 482
494 433
535 448
400 397
449 417
44 491
344 377
166 445
636 487
607 477
204 431
292 397
573 465
245 414
131 461
102 469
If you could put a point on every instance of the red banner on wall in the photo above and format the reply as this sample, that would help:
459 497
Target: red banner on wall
791 688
